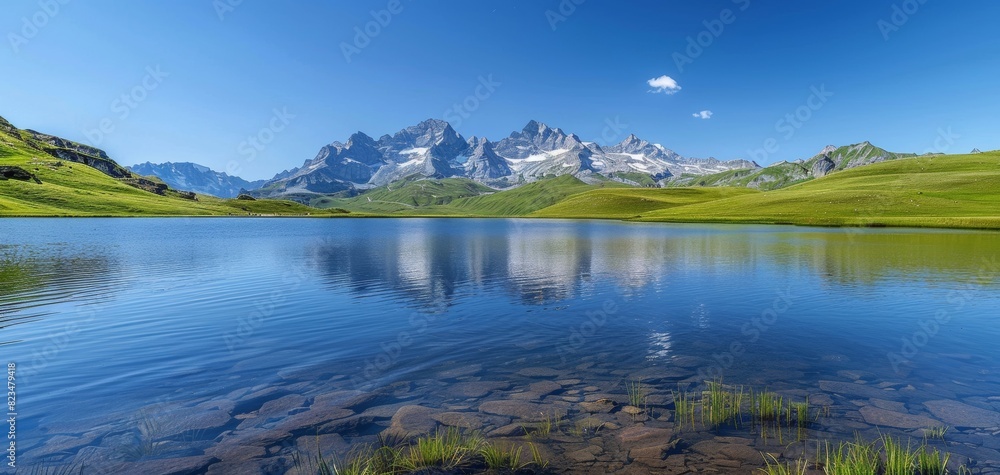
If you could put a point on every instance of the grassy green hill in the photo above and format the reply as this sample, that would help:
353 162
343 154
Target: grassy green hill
621 203
41 175
785 174
407 195
60 186
527 199
773 177
937 191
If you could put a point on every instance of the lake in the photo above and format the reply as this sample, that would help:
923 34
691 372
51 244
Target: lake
230 345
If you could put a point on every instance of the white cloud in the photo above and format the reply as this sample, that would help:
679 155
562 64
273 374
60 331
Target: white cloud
703 115
664 84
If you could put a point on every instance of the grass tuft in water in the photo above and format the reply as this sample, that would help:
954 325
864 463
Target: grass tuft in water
932 463
722 406
536 456
774 467
143 445
801 413
636 393
851 458
586 427
889 457
684 408
767 407
936 433
544 428
498 457
447 449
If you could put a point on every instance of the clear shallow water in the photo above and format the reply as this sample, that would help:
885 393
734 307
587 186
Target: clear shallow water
108 319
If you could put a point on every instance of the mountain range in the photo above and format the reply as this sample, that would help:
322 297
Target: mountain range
779 175
434 149
197 178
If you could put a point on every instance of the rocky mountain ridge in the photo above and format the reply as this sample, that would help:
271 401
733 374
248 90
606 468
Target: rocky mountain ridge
434 149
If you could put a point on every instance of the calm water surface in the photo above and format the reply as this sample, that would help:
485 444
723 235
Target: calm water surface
116 321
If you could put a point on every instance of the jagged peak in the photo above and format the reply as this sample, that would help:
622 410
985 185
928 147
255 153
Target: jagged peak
633 142
432 122
476 141
861 145
360 137
535 127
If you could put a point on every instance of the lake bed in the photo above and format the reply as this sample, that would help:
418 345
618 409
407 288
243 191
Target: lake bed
232 345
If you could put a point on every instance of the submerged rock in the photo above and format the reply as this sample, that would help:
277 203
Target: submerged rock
738 452
327 444
632 410
852 389
648 446
538 372
170 466
181 420
886 418
528 411
476 389
544 387
509 430
460 371
412 421
586 454
959 414
599 406
464 420
316 416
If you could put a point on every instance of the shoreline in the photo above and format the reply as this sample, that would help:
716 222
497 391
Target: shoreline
885 224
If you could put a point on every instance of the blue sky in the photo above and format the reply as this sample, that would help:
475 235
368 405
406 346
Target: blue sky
202 76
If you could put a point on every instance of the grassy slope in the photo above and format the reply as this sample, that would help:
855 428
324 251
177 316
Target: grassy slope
525 199
769 178
785 174
408 194
620 203
75 189
940 191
